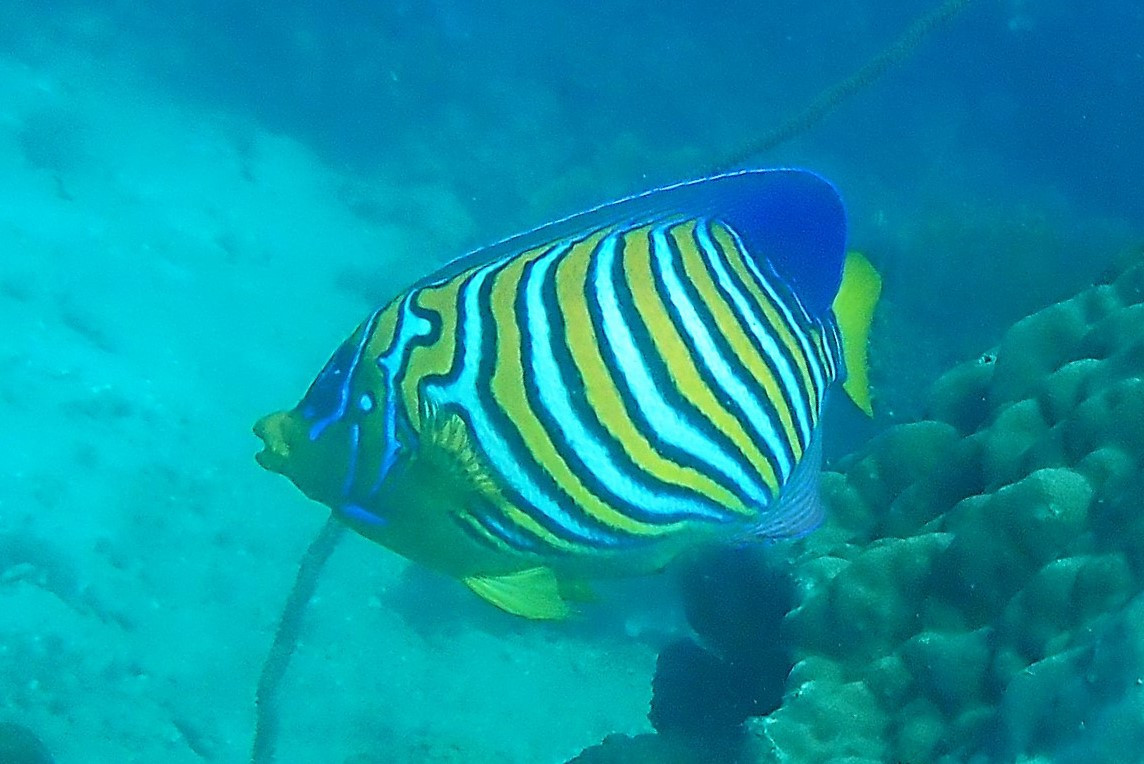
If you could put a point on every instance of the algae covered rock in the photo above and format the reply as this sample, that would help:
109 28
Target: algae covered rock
977 589
735 601
650 749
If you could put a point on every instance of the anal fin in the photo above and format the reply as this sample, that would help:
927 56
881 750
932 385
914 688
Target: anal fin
799 509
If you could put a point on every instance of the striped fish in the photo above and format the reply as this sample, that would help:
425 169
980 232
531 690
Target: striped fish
597 396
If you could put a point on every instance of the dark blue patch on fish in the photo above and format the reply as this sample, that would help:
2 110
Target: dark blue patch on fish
796 222
325 401
328 397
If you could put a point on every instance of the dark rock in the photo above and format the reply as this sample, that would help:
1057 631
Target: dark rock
19 745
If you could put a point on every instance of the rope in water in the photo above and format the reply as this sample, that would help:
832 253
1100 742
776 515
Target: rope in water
286 639
830 99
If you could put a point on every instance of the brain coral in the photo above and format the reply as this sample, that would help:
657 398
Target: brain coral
973 594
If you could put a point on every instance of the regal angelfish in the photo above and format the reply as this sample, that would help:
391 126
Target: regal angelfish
597 396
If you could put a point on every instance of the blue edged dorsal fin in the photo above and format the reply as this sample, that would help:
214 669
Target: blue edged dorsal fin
794 222
798 510
792 219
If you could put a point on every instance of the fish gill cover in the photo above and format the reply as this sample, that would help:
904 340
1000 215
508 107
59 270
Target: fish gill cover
200 199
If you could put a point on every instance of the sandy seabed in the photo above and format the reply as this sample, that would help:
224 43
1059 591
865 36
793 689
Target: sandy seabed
167 275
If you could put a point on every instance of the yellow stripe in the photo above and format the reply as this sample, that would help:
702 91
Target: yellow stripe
774 317
729 325
469 519
383 333
600 387
525 521
437 358
673 350
453 435
509 394
370 377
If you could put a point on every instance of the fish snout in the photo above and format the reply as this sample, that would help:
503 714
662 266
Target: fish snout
273 430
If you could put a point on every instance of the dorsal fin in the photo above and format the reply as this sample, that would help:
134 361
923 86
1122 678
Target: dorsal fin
792 219
795 222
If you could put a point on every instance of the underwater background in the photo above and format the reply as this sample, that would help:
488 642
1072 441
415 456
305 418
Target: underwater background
199 200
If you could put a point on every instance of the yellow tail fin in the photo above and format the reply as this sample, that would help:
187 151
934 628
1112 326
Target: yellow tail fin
854 308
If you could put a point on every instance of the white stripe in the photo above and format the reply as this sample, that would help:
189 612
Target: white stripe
774 442
463 392
395 357
833 342
669 425
788 377
557 400
799 326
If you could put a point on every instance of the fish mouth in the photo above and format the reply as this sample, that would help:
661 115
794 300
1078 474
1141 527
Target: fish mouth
271 430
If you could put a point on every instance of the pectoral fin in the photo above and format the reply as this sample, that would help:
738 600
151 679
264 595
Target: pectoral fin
533 593
446 454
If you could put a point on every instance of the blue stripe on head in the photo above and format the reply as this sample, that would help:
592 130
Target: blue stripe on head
795 221
327 400
359 514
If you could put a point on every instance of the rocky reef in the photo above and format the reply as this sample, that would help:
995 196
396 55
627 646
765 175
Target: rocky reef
973 593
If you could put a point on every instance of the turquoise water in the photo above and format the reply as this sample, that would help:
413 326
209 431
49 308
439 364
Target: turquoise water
200 200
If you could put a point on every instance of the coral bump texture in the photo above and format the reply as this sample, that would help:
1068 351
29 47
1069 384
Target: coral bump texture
973 593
